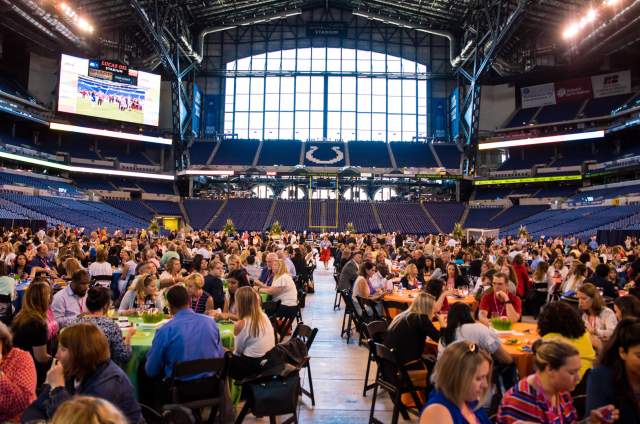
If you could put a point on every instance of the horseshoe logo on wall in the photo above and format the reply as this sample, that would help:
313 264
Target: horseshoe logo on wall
311 158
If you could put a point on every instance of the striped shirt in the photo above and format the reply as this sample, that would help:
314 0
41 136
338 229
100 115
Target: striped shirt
527 402
199 304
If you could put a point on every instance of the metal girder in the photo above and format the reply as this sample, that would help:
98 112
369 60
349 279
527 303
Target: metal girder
494 22
167 19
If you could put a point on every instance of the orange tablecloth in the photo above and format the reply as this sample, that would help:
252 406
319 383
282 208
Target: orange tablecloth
407 296
527 334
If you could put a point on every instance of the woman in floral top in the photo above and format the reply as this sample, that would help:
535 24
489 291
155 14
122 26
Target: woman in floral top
98 301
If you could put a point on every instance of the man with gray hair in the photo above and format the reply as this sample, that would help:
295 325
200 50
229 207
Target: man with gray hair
269 271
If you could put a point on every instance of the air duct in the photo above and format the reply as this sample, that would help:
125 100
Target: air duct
198 52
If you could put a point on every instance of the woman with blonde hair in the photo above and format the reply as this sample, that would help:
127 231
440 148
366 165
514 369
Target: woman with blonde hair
143 294
461 379
411 279
7 254
575 280
201 301
88 410
599 320
283 289
254 335
409 329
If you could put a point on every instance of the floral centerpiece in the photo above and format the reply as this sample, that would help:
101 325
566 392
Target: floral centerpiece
154 227
152 316
501 324
522 232
350 228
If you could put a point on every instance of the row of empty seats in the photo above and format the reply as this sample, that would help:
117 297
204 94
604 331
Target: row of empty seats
567 111
360 154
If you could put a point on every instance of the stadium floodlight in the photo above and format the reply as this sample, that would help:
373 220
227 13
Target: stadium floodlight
84 169
542 140
80 22
108 133
571 31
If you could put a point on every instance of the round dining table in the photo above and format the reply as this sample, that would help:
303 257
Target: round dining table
517 342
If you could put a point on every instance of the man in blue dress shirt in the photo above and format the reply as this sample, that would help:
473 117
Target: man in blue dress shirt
188 336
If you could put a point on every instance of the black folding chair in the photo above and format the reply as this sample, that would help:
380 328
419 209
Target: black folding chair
208 391
337 298
307 335
389 305
101 280
393 377
376 331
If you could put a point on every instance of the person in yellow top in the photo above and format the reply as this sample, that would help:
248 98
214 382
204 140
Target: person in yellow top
558 320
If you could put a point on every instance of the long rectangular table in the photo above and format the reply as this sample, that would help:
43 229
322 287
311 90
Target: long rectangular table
141 343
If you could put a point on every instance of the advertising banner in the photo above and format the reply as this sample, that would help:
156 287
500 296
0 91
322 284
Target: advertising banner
538 95
196 111
611 84
573 90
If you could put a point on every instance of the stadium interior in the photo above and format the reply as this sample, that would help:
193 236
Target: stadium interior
373 116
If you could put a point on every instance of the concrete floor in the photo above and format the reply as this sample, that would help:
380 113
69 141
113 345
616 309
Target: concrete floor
337 368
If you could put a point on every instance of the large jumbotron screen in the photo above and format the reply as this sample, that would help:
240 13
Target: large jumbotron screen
110 90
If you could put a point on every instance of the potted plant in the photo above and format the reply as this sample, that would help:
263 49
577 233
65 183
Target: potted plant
350 228
229 229
275 232
154 227
522 232
457 233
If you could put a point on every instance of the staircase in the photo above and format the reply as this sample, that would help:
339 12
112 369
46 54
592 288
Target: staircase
435 155
184 213
464 216
323 213
270 215
433 221
394 165
257 155
376 215
213 153
213 218
155 212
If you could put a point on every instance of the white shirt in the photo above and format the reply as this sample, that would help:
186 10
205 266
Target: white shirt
100 268
603 324
255 347
289 297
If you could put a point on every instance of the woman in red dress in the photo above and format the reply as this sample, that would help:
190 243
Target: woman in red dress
325 251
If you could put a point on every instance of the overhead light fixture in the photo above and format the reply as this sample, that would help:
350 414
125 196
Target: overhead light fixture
79 21
542 140
108 133
84 169
206 172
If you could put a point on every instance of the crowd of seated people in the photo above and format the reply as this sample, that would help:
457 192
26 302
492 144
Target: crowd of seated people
62 347
584 296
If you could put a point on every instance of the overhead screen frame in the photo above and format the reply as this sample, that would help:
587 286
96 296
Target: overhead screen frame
159 90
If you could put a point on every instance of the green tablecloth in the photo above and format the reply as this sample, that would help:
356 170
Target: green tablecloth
141 343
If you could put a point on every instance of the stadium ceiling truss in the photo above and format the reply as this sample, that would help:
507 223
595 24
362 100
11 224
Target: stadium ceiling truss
506 36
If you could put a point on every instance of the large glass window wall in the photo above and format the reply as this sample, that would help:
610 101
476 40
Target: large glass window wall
333 93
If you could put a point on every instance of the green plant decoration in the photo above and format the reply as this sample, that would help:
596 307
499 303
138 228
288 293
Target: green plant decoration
457 233
229 228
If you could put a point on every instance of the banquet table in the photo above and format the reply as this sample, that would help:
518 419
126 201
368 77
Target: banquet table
141 343
516 342
407 296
